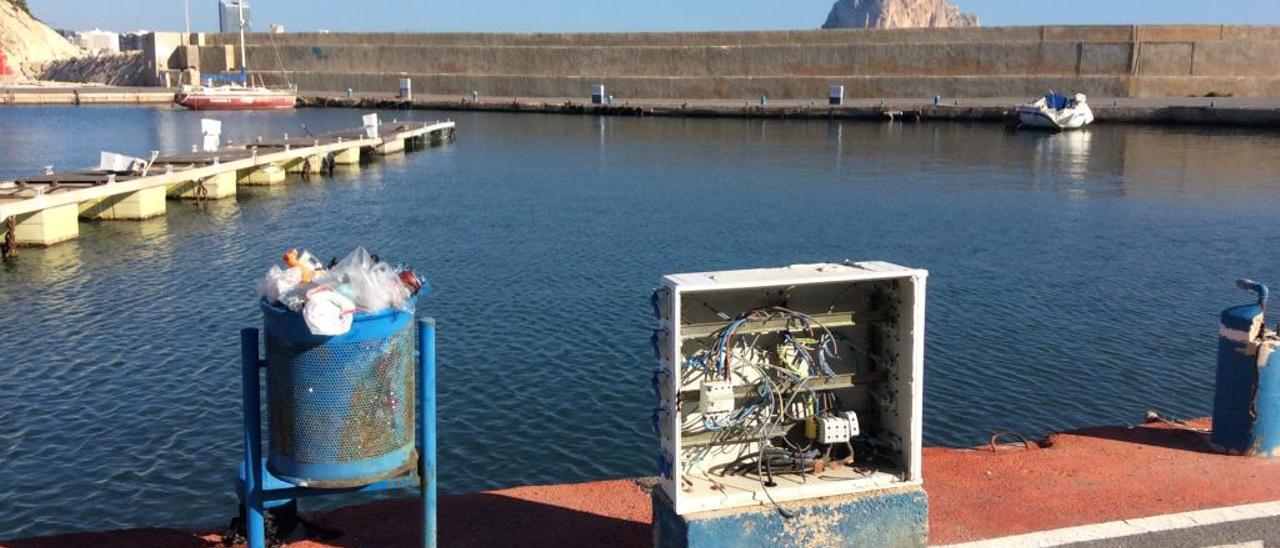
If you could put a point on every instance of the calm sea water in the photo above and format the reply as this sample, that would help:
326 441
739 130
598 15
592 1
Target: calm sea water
1075 281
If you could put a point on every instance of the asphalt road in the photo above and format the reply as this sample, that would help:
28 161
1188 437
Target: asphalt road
1253 533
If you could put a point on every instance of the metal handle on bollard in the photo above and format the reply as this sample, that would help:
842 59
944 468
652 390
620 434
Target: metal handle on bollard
1261 289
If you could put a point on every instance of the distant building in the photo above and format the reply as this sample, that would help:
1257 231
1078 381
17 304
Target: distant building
229 15
277 29
98 41
132 41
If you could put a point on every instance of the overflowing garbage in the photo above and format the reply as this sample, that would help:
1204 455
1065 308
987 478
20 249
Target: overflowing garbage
328 297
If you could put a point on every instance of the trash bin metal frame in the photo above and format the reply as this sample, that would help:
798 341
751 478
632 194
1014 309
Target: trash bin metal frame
258 489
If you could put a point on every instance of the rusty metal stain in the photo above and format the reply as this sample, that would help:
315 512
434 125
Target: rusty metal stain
372 428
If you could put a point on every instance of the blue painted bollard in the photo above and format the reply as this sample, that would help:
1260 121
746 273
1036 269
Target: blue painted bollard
1246 401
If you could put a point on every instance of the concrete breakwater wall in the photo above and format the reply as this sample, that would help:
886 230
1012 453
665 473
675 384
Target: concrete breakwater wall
1109 61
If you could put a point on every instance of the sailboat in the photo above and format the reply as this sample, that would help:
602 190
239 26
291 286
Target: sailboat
238 94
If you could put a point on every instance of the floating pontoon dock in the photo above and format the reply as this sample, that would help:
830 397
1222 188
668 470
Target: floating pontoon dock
45 210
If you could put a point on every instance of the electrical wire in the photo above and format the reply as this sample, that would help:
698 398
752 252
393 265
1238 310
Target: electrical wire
780 394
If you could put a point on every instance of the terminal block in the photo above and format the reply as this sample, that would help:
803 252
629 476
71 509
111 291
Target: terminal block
716 399
852 418
833 430
839 428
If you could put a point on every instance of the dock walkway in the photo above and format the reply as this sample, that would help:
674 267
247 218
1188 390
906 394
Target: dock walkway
45 209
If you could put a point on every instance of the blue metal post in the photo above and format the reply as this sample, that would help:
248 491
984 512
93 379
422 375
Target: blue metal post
427 427
255 530
1246 406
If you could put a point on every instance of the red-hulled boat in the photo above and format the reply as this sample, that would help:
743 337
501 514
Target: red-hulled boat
235 97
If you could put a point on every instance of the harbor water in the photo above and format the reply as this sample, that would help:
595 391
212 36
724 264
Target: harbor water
1075 280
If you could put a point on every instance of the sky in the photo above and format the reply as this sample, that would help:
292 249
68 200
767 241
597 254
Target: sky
615 15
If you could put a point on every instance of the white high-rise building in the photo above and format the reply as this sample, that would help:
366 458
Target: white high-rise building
229 15
99 41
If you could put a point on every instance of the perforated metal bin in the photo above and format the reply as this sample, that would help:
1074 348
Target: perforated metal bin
340 409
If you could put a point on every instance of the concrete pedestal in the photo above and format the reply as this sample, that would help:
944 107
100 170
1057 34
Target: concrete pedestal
264 176
48 227
217 187
310 164
135 206
347 157
885 519
390 147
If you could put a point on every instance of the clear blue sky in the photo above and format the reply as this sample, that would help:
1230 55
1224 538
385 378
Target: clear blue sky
616 15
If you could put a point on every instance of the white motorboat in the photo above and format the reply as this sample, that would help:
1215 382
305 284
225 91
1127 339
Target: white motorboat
1057 112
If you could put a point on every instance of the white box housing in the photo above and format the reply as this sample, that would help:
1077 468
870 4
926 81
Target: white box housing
873 383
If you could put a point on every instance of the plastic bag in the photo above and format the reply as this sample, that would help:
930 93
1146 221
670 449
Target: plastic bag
328 299
328 313
386 281
278 282
374 286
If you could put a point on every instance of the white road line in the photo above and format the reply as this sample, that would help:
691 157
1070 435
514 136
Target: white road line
1125 528
1254 544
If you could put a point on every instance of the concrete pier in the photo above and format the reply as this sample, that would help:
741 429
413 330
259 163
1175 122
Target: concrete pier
1192 111
390 147
348 157
310 165
46 209
263 176
134 206
1152 485
48 226
83 95
214 187
1103 61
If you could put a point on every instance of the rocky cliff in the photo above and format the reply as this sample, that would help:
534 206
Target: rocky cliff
896 14
27 43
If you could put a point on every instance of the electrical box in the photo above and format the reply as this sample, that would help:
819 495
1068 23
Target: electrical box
790 383
836 95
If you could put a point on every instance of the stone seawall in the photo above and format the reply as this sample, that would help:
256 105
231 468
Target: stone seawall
1107 61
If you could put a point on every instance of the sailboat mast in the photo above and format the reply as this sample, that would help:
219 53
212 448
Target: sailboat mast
244 57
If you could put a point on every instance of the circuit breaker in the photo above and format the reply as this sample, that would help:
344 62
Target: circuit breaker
788 383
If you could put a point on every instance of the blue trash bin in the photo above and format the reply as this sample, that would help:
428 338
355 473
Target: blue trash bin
340 409
1246 402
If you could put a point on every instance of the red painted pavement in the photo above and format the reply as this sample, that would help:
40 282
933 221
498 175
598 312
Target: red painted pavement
1086 476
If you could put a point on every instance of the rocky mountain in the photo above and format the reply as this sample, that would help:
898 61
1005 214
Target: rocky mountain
896 14
26 42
